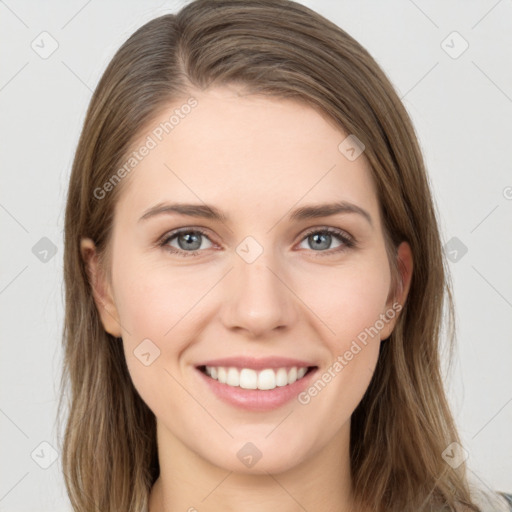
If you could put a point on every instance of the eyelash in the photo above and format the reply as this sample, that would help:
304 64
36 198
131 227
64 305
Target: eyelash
347 241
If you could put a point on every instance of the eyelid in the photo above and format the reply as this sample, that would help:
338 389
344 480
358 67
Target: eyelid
164 239
330 230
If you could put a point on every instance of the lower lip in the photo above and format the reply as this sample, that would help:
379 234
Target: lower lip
257 399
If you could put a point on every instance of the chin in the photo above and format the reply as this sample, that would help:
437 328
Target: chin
256 455
273 465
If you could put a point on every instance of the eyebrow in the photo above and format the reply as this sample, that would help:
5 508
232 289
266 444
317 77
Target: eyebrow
211 212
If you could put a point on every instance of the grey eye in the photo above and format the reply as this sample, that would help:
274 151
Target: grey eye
320 240
188 240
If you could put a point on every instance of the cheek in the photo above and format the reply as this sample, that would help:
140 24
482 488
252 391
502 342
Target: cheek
349 303
156 308
167 307
351 307
347 300
152 302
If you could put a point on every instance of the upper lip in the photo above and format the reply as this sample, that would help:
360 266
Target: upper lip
256 363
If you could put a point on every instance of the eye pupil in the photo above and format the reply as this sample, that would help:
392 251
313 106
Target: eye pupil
318 242
190 239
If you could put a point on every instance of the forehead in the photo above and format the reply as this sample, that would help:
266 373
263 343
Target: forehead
243 152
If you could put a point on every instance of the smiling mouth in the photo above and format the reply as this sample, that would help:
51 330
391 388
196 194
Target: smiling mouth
248 378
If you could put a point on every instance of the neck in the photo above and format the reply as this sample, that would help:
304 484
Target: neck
190 483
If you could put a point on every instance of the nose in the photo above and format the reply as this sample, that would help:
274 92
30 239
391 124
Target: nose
258 298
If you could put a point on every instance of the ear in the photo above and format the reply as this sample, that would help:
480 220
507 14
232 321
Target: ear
397 299
101 288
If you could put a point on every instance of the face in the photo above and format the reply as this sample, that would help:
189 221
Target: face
271 285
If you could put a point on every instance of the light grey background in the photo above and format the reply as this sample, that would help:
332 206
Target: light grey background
461 108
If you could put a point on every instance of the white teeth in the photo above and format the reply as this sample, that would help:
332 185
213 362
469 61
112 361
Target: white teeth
267 379
233 377
221 376
247 378
282 377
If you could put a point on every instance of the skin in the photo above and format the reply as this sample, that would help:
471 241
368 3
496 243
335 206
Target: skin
256 158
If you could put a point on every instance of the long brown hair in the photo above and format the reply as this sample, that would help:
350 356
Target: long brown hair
282 49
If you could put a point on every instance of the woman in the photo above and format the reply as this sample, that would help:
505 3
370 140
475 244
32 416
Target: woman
292 360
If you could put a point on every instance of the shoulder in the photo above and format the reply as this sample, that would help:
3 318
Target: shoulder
492 501
508 498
